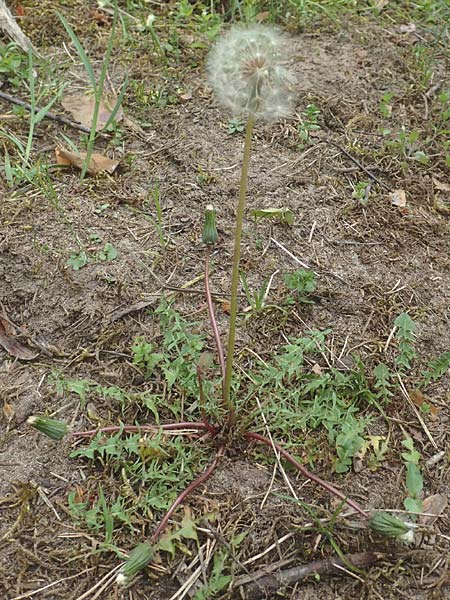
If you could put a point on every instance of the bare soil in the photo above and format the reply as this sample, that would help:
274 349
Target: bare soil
372 262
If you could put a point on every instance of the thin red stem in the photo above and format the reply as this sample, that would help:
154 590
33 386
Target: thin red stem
190 488
327 486
138 428
212 317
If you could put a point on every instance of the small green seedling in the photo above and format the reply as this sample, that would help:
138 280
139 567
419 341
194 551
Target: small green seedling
302 283
361 192
308 123
158 220
13 65
437 368
235 125
385 105
78 260
406 336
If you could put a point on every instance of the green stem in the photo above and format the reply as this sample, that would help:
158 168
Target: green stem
235 276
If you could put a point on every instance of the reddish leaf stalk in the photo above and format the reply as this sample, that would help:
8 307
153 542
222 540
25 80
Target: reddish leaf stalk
327 486
212 317
144 428
190 488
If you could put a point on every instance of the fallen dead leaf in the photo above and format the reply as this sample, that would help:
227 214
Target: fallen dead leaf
101 18
186 96
398 198
419 400
79 494
97 164
226 306
407 28
380 4
8 411
441 206
10 344
435 506
81 107
443 187
316 369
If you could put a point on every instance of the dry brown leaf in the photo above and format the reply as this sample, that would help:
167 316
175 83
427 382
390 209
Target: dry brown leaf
316 369
435 506
186 96
81 107
226 306
79 494
97 164
419 400
8 411
441 206
10 344
407 28
398 198
101 18
443 187
134 126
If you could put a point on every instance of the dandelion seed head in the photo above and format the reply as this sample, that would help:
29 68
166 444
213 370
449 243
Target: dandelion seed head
247 71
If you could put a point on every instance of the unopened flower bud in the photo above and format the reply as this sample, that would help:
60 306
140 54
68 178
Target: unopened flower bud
209 235
138 559
52 428
390 526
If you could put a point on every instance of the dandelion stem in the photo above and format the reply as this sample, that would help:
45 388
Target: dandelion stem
327 486
212 317
190 488
235 275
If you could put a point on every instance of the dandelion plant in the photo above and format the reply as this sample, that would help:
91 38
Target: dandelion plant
247 71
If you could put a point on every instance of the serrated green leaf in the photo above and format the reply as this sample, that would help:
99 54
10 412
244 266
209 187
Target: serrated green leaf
404 323
109 252
238 539
414 479
437 368
78 261
413 505
188 528
166 544
412 456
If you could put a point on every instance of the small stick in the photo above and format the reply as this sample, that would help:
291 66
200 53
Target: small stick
48 115
190 488
327 486
212 317
358 164
289 253
139 428
329 566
